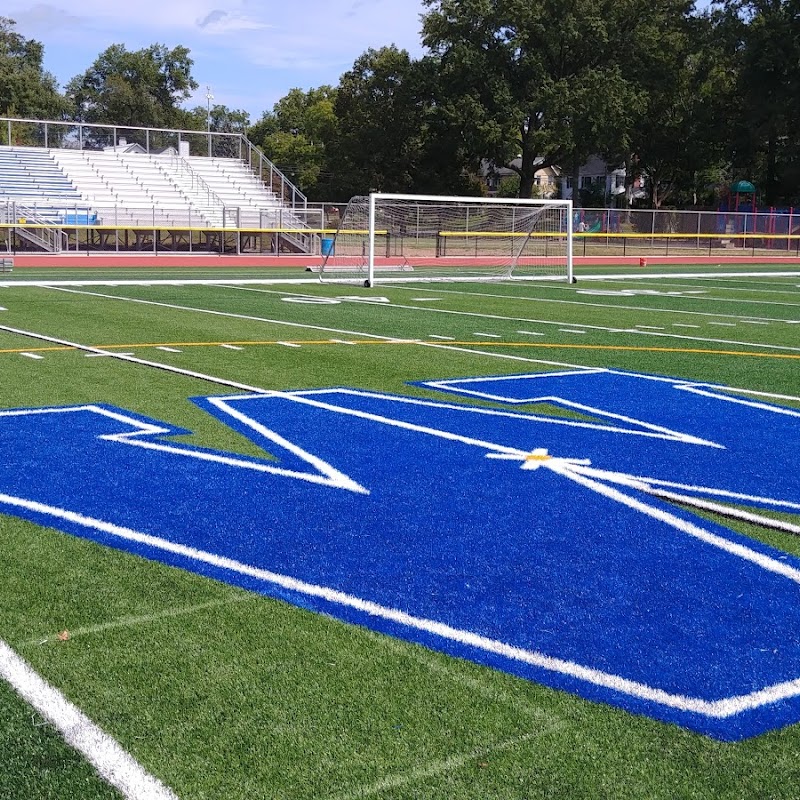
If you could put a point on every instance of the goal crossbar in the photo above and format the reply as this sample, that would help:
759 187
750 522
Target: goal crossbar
437 237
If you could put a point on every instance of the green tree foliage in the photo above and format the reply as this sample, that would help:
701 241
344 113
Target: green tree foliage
26 90
379 138
540 81
392 133
764 39
297 135
143 88
685 92
219 119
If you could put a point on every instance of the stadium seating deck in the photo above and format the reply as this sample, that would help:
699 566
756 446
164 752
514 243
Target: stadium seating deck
71 187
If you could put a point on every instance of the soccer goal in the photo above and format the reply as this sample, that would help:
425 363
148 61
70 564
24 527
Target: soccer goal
426 237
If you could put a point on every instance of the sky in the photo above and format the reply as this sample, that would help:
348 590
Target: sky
249 52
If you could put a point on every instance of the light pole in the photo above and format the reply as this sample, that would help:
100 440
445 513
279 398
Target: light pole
209 98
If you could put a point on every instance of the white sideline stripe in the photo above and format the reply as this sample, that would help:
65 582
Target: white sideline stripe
443 338
488 335
530 333
289 344
724 324
168 349
3 309
231 347
505 356
97 351
34 356
104 753
719 709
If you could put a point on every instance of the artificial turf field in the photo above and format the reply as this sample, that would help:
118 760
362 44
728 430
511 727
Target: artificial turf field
219 691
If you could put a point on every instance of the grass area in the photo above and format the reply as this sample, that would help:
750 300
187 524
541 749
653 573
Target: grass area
221 692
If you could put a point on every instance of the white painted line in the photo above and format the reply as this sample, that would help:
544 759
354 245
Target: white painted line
651 327
289 344
34 356
721 708
530 333
426 299
108 355
3 309
570 330
231 347
340 341
681 325
724 324
443 338
754 322
144 619
104 753
451 348
169 349
487 335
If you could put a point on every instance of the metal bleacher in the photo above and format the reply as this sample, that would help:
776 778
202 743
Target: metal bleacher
45 191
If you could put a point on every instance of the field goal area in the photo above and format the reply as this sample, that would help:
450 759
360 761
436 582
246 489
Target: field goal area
428 237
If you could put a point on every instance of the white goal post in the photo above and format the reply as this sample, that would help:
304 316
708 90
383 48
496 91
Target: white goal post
430 237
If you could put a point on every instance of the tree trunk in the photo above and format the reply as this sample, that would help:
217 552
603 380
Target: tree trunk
527 171
576 184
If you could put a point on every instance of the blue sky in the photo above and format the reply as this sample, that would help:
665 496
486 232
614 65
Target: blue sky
250 52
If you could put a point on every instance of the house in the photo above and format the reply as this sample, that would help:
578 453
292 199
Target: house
556 181
548 179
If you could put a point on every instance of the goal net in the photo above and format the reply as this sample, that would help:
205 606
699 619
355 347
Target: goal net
425 237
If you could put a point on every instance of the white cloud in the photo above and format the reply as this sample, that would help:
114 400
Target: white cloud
251 51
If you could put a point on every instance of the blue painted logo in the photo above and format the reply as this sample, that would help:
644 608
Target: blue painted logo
567 549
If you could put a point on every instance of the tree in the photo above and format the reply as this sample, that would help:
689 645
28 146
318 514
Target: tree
138 89
533 80
679 122
541 81
218 119
26 90
764 38
380 106
297 135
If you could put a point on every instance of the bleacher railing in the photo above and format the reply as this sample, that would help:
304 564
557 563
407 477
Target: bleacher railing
86 136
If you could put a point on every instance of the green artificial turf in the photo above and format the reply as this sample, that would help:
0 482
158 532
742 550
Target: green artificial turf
221 693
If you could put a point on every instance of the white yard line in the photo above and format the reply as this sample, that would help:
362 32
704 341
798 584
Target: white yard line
498 317
613 306
114 764
443 766
144 619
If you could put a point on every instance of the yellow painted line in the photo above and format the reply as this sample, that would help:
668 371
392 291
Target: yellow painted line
472 343
36 349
